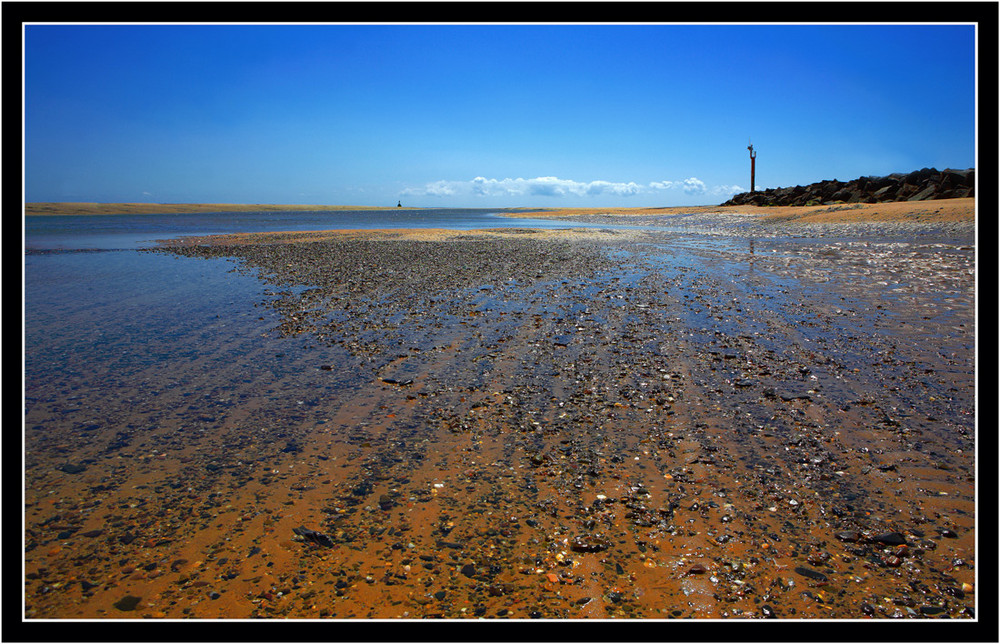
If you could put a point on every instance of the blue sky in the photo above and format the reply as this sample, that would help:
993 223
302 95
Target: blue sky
485 115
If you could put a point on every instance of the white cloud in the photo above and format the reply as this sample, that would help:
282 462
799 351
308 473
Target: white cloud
694 186
555 187
728 190
439 189
541 186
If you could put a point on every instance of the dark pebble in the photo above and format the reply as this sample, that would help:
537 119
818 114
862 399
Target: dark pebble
469 570
868 609
812 574
316 537
768 612
449 544
72 468
948 534
891 539
590 543
93 533
849 536
127 603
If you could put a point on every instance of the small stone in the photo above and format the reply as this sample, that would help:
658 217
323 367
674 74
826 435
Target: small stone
891 539
127 603
697 569
590 543
849 536
812 574
316 537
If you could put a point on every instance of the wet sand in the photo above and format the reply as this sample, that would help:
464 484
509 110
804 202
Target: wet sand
559 424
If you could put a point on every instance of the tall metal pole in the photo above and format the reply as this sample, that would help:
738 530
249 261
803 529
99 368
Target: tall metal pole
753 166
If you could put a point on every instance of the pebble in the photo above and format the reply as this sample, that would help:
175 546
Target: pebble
810 573
127 603
890 539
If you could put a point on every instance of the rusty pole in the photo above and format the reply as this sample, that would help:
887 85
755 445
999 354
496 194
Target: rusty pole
753 164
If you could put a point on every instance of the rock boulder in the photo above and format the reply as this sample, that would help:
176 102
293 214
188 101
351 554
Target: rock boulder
920 185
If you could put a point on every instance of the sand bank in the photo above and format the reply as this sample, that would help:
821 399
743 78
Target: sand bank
935 211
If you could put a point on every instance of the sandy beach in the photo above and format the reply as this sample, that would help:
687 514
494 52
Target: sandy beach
930 211
775 419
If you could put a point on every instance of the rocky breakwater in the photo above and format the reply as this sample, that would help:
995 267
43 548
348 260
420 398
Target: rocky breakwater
920 185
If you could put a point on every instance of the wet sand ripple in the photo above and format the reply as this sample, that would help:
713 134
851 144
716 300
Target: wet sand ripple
557 424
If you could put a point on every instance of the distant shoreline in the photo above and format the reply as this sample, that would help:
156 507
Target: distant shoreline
90 208
927 211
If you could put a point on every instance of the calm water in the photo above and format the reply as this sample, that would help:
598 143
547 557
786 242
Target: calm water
102 317
136 231
110 325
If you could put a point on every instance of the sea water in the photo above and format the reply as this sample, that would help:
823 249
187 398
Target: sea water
108 327
74 232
